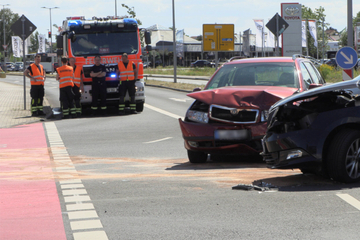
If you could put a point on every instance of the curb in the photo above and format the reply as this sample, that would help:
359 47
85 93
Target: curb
175 89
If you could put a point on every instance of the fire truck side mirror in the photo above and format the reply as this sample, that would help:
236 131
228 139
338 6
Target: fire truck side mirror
71 35
147 37
148 48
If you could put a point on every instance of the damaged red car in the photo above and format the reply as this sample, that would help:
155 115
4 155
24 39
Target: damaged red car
229 116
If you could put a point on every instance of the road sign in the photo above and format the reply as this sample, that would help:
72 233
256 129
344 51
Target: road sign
347 74
218 37
51 54
5 46
282 25
17 27
346 57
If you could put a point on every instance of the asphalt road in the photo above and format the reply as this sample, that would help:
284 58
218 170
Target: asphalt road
134 168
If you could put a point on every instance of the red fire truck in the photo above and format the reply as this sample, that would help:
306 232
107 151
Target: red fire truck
109 37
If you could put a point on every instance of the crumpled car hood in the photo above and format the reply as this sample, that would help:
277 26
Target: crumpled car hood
261 97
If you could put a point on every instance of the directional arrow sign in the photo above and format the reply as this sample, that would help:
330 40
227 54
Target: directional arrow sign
346 57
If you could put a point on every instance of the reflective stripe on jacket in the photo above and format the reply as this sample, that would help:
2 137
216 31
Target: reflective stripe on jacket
77 76
66 75
126 73
37 74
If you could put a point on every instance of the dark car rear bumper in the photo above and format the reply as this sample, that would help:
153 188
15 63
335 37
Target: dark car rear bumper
201 137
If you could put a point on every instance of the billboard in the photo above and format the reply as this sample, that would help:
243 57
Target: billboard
292 37
218 37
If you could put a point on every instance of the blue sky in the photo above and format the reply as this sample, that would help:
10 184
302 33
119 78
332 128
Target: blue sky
190 15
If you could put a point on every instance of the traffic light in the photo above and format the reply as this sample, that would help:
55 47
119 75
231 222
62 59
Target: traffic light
49 34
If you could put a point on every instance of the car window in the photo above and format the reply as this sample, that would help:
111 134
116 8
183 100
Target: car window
256 74
314 75
306 76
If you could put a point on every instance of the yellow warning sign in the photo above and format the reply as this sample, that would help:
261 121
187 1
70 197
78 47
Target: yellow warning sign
218 37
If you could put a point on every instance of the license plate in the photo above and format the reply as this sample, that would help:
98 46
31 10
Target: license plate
231 134
111 90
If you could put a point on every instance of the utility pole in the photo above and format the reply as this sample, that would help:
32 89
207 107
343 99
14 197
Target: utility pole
174 41
350 25
115 8
3 20
50 33
323 41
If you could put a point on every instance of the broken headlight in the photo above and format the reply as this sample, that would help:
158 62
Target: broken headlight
197 116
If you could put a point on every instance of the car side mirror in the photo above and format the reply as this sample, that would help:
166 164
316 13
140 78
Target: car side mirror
198 89
314 85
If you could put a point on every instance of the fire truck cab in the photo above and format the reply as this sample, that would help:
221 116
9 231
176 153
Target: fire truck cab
108 37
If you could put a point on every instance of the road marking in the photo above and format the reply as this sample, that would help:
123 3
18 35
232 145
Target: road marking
169 114
178 99
98 235
83 214
82 206
73 190
87 224
160 140
350 200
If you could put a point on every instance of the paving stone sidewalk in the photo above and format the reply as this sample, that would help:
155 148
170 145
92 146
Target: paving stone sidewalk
12 111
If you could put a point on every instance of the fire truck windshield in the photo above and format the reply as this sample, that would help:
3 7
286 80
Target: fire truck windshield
105 43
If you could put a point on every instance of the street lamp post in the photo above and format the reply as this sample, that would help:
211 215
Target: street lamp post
51 50
3 20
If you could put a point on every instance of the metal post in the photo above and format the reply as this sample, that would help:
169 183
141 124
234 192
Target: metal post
323 41
317 47
350 25
240 43
277 36
3 19
174 40
51 50
23 38
163 63
115 8
262 39
306 37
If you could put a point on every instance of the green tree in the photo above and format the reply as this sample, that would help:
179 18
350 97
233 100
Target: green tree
319 16
34 42
10 18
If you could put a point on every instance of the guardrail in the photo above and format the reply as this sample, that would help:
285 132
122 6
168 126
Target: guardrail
178 77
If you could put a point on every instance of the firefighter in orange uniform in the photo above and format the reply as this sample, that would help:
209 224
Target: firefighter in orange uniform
127 74
65 76
37 77
78 85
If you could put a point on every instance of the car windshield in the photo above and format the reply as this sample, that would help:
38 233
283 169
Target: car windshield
105 43
256 74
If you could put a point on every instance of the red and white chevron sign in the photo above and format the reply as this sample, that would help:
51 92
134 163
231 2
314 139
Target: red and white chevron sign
347 74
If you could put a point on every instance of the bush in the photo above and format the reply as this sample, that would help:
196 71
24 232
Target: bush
325 70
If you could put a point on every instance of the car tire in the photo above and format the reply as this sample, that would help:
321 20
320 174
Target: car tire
140 107
343 161
197 157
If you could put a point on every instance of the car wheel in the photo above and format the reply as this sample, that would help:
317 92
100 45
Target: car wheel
139 107
343 161
197 157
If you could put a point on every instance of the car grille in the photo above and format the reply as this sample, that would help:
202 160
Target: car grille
233 115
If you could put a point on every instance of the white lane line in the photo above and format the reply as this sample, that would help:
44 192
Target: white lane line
350 200
73 190
87 224
98 235
83 214
159 140
169 114
178 99
77 207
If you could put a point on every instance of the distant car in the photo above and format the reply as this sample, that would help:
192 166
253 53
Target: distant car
332 62
202 63
10 66
18 66
357 65
315 61
229 116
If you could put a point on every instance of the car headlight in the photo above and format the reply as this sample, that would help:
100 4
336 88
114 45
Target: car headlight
264 115
139 89
196 116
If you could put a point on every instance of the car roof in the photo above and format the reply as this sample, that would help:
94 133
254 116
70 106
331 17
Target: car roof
263 59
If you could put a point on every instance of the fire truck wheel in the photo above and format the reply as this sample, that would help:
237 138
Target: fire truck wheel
139 107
